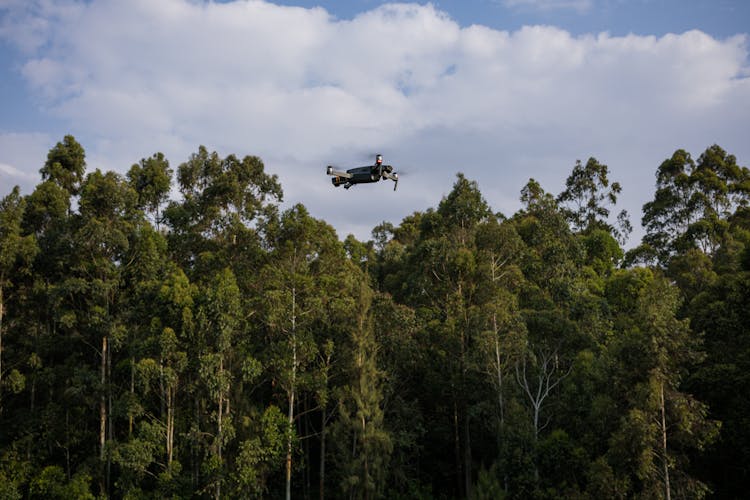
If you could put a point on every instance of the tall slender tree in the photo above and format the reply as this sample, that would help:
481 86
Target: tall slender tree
16 253
662 421
364 444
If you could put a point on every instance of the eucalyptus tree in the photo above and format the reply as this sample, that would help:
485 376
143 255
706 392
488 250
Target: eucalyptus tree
400 356
431 265
551 262
586 197
223 202
661 421
218 324
723 187
17 251
52 348
160 318
66 165
306 273
105 224
177 321
37 430
364 446
499 249
718 292
151 178
692 204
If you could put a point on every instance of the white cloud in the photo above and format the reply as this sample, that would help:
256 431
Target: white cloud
303 89
21 157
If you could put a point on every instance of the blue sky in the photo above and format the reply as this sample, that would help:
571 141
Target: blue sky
719 18
502 90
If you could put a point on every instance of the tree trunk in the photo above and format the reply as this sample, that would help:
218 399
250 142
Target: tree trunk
667 489
103 417
290 423
467 455
195 462
103 400
132 394
498 371
162 388
68 471
464 405
291 394
110 426
1 347
219 422
323 453
457 448
366 462
171 394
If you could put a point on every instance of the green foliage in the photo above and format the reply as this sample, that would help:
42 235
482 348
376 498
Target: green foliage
262 454
52 483
489 484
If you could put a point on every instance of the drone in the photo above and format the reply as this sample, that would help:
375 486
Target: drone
362 175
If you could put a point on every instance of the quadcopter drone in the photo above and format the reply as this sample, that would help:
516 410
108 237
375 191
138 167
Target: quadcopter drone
361 175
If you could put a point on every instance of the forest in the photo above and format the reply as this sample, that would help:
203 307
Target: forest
211 344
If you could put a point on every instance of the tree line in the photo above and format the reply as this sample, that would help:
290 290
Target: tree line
217 346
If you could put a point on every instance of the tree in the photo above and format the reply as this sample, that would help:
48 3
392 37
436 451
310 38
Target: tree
219 319
586 198
65 165
16 252
176 296
717 308
224 199
151 178
692 204
662 422
364 444
499 253
259 455
303 253
431 265
106 221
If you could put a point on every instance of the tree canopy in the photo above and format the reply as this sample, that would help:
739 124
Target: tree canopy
216 345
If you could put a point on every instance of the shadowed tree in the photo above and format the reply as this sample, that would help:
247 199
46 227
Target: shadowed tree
307 269
219 319
16 253
661 422
586 197
692 204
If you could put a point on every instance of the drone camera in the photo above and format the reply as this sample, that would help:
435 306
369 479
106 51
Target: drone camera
337 181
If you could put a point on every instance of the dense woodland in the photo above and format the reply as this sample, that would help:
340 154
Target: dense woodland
216 345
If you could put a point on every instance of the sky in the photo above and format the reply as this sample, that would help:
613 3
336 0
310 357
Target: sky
500 90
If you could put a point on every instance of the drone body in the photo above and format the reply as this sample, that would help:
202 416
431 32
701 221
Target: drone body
363 175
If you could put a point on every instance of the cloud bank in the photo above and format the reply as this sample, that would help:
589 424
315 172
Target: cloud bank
302 89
